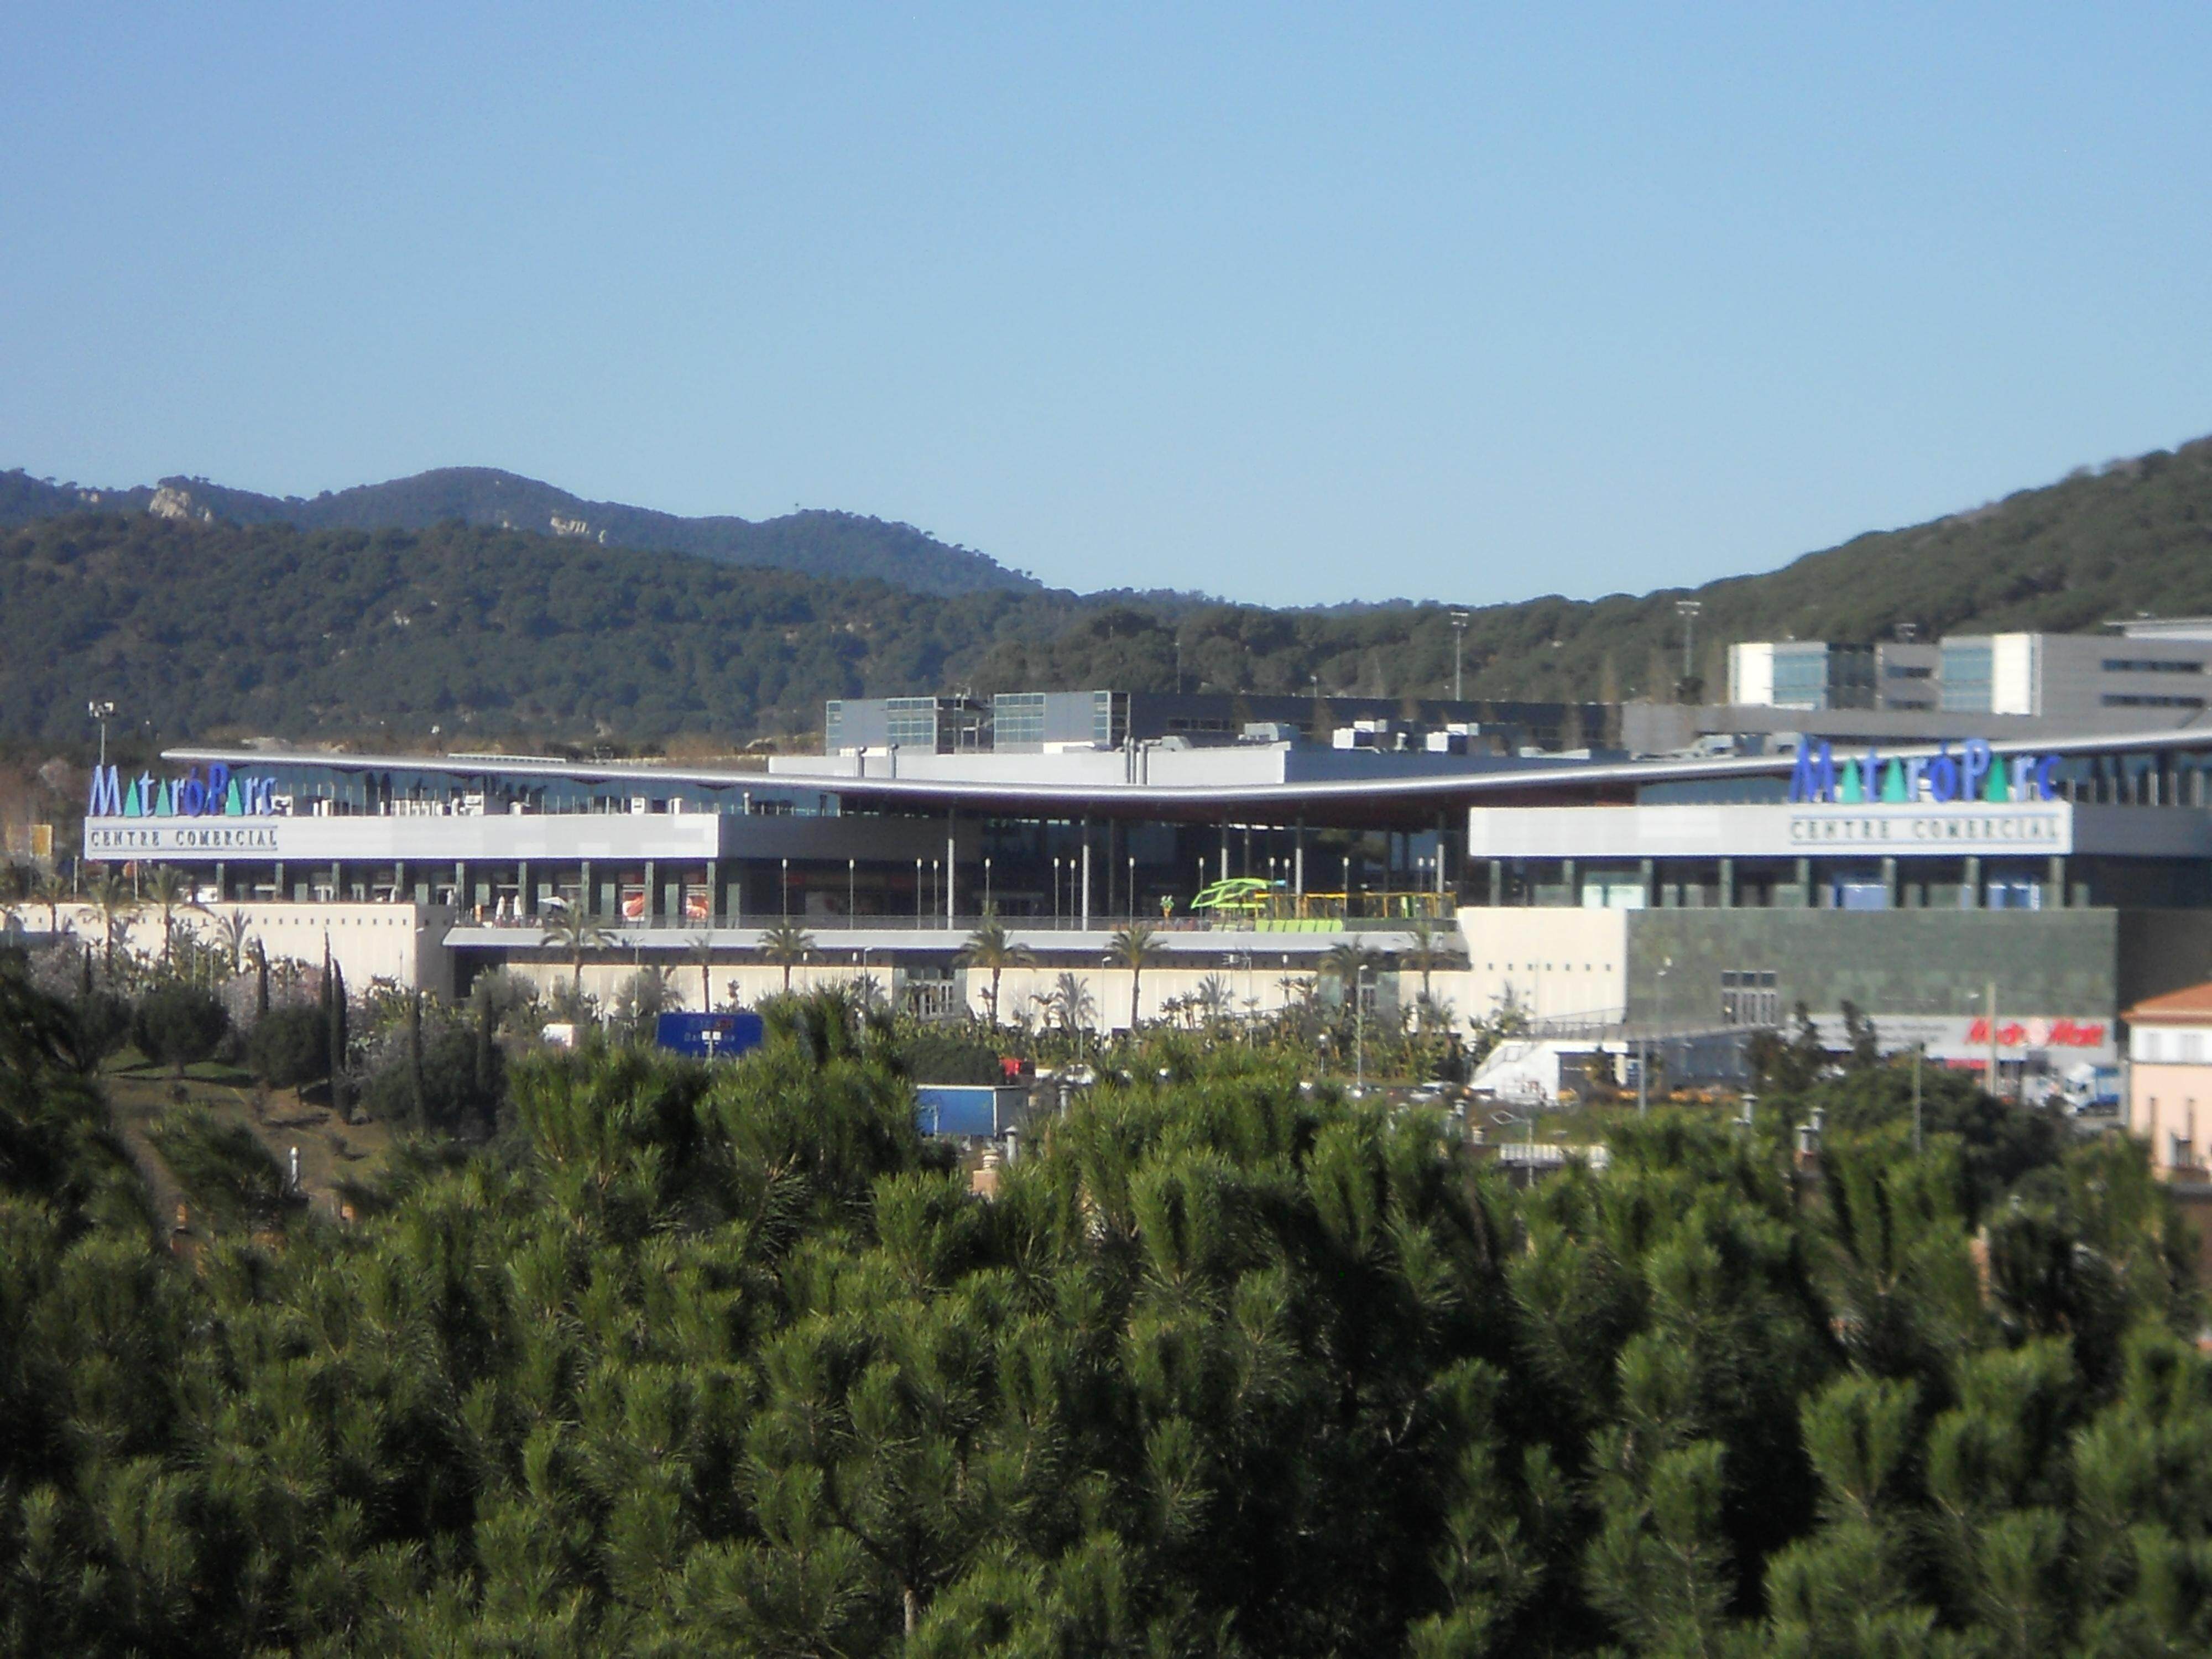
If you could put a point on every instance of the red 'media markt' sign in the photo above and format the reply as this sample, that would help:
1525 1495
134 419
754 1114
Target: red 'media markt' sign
2041 1033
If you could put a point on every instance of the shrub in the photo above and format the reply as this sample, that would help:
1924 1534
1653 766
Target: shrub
177 1024
225 1171
289 1047
99 1024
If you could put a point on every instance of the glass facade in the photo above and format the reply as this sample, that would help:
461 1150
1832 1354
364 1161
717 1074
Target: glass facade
1969 677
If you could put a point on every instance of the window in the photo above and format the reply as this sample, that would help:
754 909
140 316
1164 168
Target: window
2180 1153
2125 699
1017 717
1750 996
2150 666
1898 671
1969 675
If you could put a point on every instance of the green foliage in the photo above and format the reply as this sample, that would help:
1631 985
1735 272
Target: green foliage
288 1046
224 1167
179 1024
724 1357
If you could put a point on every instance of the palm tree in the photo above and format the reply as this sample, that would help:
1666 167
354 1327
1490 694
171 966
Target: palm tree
785 945
1135 947
171 891
1069 1004
230 928
116 904
1345 963
1214 997
569 929
988 947
50 889
702 957
1428 953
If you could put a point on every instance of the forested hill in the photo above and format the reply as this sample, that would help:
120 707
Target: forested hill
215 629
818 544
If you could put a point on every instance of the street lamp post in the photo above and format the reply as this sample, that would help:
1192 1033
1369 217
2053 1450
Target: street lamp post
917 892
986 885
103 712
786 890
851 891
1459 621
1055 890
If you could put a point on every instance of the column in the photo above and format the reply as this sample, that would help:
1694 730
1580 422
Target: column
525 903
399 880
1298 859
951 884
1498 881
652 893
1086 912
588 903
1889 882
1567 880
1644 875
1971 898
337 882
1440 854
277 881
2055 884
1805 883
1728 884
460 886
221 886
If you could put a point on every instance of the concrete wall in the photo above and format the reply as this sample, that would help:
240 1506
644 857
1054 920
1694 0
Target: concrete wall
2049 962
1555 964
403 943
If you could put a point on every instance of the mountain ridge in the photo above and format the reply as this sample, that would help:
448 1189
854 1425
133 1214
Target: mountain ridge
210 626
814 542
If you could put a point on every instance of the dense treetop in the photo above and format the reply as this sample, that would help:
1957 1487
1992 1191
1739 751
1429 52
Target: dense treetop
689 1358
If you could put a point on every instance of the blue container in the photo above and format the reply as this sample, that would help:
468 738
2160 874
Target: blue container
950 1109
708 1036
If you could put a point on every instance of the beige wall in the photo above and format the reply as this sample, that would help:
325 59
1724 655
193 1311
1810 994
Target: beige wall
1556 963
2169 1103
403 943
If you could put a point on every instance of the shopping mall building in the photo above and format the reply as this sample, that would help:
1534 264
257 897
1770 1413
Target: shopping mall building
2059 881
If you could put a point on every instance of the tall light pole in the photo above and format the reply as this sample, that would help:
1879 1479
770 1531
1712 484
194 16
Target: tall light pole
1459 621
986 884
1687 610
103 712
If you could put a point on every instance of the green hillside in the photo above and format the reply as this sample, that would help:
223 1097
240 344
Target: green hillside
817 544
217 628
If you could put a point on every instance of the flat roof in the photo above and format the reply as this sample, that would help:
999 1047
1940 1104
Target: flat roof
1345 801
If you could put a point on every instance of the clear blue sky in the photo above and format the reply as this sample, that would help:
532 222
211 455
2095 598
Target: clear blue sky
1292 304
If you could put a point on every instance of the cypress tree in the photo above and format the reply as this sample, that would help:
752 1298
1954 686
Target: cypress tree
417 1092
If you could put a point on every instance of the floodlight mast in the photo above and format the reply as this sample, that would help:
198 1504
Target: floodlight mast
102 711
1459 621
1687 610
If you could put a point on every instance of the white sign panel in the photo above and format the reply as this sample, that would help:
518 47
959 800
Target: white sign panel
1761 831
2061 1040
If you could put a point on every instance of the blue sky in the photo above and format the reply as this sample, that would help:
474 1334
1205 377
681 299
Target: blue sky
1290 304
